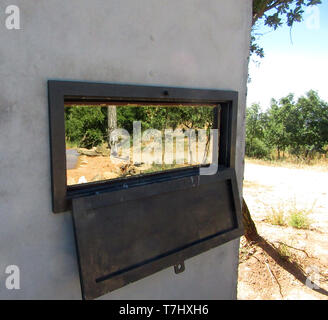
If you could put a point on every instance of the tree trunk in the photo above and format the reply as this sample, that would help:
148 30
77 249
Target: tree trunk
112 123
207 148
251 233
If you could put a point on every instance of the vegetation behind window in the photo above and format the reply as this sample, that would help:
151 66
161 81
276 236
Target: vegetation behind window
94 152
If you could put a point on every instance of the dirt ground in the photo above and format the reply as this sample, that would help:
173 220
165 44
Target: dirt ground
100 168
289 263
96 164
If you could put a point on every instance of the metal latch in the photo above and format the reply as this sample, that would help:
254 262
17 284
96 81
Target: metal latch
180 267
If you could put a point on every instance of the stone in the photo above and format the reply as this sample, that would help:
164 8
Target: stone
82 180
110 175
88 152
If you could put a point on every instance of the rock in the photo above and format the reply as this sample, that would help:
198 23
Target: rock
82 180
88 152
110 175
103 150
95 151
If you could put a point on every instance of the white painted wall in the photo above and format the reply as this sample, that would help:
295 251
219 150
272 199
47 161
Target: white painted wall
189 43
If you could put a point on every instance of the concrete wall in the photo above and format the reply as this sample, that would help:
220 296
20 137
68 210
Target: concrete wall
191 43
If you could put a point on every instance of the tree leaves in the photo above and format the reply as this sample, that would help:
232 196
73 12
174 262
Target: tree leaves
87 126
276 13
300 127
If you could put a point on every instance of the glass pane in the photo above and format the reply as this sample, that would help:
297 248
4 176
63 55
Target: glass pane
105 142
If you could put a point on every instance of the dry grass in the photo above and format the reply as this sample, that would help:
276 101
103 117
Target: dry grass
320 164
291 214
276 216
288 255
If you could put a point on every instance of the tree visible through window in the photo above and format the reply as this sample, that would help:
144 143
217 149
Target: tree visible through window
106 142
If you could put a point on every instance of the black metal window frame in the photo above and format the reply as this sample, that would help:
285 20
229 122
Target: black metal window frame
60 92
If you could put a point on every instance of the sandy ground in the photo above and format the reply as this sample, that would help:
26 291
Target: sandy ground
100 168
264 276
91 168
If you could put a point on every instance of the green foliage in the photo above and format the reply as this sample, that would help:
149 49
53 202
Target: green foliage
85 125
126 116
280 123
298 219
257 149
301 127
275 13
276 217
255 131
311 116
255 48
291 214
254 119
161 118
92 137
284 251
281 11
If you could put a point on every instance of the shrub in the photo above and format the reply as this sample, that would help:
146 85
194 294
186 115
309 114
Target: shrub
276 217
256 148
284 251
289 213
85 126
92 138
299 219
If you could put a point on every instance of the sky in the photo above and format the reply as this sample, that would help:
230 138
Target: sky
295 60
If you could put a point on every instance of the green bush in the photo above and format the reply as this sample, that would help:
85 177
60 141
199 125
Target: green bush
85 126
284 251
298 127
298 219
256 148
92 138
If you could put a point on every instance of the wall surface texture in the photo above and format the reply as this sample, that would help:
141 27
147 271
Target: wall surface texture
188 43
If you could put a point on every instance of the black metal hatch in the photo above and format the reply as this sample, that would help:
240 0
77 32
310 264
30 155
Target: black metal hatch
126 235
127 229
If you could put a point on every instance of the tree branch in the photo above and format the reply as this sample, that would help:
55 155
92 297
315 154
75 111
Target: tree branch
266 8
